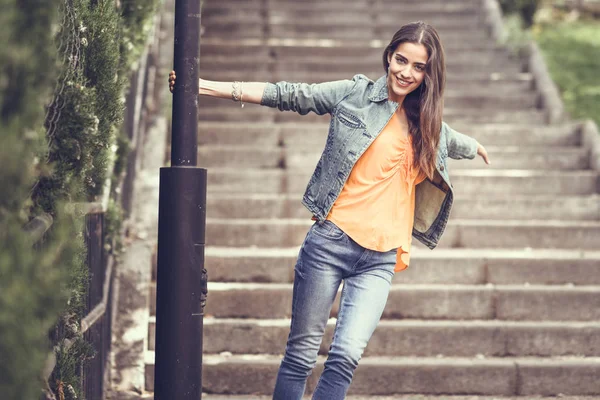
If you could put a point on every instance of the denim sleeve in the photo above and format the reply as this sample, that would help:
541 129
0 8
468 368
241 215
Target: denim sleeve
319 98
460 145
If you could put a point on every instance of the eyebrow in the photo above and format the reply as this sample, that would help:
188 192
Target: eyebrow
401 55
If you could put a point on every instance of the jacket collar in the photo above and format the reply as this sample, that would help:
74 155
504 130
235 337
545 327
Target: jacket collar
379 91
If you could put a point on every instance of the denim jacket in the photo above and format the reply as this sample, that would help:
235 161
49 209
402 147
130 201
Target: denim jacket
359 110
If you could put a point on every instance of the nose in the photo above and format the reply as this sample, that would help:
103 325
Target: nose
404 74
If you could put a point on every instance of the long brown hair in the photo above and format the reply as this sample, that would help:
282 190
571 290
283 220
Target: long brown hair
424 106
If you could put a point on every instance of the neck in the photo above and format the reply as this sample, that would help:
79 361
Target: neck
395 98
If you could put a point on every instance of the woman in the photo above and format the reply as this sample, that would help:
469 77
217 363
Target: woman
382 178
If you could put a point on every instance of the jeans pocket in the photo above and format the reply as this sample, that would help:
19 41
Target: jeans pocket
328 230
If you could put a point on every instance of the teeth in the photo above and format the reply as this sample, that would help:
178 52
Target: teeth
401 81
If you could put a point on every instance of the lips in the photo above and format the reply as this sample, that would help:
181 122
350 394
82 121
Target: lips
402 83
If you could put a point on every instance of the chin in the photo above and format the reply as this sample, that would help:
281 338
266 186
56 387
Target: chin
403 91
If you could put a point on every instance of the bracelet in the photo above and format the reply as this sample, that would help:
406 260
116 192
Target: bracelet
237 92
242 94
235 95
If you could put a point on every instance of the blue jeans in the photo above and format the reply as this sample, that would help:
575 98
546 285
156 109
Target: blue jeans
327 257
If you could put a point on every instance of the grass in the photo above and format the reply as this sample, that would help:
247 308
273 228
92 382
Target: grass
572 53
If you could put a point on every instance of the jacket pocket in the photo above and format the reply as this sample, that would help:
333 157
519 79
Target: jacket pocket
347 118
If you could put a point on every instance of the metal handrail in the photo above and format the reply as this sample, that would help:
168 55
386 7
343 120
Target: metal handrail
38 226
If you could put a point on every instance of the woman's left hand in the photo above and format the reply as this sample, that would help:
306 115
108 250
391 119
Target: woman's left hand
481 151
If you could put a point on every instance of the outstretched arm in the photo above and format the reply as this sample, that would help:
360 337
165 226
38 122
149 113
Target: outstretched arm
462 146
252 91
303 98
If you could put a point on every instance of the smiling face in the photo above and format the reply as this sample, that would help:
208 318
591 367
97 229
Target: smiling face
407 69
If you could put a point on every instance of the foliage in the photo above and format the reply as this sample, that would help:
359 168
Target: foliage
63 380
136 24
32 283
87 107
524 8
572 53
570 45
63 69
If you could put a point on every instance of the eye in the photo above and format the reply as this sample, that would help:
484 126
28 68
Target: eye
400 60
420 68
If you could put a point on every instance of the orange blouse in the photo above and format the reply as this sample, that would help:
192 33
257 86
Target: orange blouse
377 204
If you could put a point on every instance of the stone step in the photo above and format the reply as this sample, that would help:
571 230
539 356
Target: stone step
480 39
216 17
313 136
478 99
341 4
208 396
538 158
466 182
408 337
370 32
442 22
229 111
474 102
441 266
480 82
489 98
455 76
418 301
383 3
375 18
347 65
524 376
336 47
577 208
348 51
460 233
373 57
320 48
504 86
256 134
247 29
437 8
506 158
239 6
450 9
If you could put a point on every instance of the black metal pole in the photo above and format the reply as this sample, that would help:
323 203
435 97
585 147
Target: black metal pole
181 277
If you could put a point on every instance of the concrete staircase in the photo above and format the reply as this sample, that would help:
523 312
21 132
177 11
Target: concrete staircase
508 305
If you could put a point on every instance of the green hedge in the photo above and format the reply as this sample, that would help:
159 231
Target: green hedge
33 284
524 8
63 71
